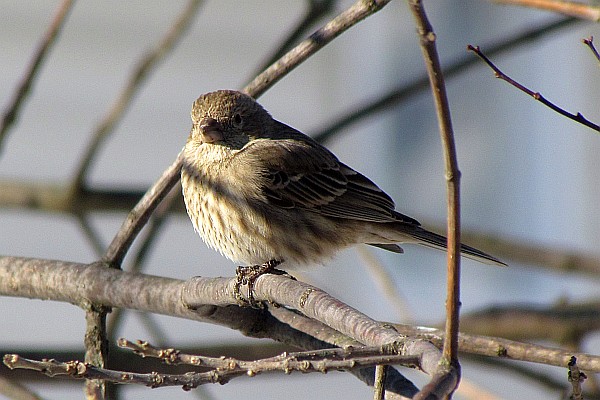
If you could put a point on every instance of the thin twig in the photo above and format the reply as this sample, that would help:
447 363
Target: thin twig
571 8
11 114
302 362
158 219
353 15
434 70
589 42
406 92
143 70
536 95
294 360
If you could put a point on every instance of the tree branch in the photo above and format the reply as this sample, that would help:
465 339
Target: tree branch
97 284
311 301
222 369
536 95
139 215
304 361
446 380
506 349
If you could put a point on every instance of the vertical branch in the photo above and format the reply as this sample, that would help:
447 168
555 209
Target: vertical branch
427 38
95 348
12 111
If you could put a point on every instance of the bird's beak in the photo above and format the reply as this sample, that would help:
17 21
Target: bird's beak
211 130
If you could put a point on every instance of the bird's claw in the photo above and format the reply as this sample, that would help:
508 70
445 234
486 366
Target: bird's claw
247 275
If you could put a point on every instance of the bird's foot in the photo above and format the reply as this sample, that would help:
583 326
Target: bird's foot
248 274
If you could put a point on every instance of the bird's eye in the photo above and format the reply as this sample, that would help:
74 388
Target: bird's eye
237 120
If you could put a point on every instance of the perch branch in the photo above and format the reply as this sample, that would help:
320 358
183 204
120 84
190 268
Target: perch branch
71 282
317 305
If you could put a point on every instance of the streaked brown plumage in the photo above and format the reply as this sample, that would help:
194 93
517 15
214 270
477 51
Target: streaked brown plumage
258 190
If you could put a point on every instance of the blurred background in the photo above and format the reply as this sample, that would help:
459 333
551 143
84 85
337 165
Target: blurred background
529 175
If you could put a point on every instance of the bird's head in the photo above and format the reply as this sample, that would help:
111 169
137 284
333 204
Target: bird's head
228 118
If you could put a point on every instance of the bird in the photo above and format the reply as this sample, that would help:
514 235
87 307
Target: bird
264 194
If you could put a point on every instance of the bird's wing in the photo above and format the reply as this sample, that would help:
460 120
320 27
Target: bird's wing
301 173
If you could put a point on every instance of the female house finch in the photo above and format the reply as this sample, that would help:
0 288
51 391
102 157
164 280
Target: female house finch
261 192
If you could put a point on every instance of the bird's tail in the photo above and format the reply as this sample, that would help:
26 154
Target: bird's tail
433 240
